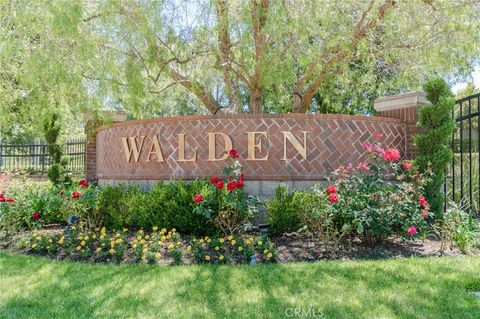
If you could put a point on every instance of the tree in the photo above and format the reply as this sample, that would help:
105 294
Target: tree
209 56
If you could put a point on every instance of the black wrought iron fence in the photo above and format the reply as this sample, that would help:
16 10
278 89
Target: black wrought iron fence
463 176
34 157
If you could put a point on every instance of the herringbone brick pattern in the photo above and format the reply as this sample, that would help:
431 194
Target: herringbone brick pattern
332 141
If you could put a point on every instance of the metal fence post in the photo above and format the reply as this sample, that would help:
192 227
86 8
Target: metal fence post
44 147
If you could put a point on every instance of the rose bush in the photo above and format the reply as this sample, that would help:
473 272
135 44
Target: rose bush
224 202
375 199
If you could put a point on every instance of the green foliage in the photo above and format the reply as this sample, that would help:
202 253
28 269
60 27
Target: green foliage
433 151
460 228
225 202
283 212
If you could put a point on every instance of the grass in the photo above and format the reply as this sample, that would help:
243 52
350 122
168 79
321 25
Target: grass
35 287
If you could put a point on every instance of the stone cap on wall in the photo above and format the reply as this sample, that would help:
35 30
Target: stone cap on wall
400 101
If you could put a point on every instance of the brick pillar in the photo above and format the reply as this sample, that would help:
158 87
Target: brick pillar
91 141
404 107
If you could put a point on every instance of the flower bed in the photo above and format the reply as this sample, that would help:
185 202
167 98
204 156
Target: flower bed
364 203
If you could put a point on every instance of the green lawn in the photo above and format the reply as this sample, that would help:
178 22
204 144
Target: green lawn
35 287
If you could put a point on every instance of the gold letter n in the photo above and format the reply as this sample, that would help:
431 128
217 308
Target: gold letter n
302 150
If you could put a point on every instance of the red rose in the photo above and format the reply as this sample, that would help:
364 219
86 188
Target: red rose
1 195
214 180
378 135
198 198
36 215
331 189
411 231
406 165
231 185
83 183
240 184
233 153
333 198
219 184
76 194
242 177
10 199
2 198
391 154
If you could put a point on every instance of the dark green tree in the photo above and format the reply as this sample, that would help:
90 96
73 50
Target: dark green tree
433 152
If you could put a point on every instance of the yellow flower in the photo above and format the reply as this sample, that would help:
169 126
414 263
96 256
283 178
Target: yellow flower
217 248
38 238
158 255
134 246
209 240
163 238
189 248
222 240
240 248
164 230
220 257
50 240
174 230
118 241
140 231
34 245
233 241
269 255
111 251
230 237
171 246
118 235
207 257
98 249
139 237
82 243
125 230
86 238
102 237
169 236
265 251
142 241
201 241
103 230
78 247
259 243
112 244
145 250
154 228
206 238
94 235
147 237
80 237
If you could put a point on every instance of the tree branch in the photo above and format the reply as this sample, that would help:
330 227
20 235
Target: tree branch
303 101
226 55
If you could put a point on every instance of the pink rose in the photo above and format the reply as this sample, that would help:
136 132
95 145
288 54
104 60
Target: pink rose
411 231
406 165
391 154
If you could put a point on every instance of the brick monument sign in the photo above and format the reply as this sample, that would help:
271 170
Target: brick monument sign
295 149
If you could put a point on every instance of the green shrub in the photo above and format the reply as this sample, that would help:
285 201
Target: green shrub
283 212
460 228
433 152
